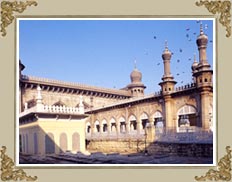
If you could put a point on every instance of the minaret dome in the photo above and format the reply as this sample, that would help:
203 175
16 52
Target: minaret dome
166 54
136 76
202 39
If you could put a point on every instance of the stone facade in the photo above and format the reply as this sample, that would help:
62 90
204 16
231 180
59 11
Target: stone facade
101 119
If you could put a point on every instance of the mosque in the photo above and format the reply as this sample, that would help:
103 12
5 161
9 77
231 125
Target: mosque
57 116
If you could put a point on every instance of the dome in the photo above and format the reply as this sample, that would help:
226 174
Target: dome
194 65
136 76
166 54
202 39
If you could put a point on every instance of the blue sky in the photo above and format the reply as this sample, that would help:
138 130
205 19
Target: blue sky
102 52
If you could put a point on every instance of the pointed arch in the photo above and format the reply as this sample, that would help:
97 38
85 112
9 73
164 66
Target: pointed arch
104 126
88 127
144 119
97 126
122 124
113 125
187 116
132 122
158 119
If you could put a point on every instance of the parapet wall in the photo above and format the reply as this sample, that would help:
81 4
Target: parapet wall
137 146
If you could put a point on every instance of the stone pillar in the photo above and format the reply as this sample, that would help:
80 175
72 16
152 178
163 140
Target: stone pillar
205 109
138 123
101 128
168 112
150 130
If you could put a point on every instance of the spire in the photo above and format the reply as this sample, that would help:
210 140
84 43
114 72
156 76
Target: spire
202 41
195 63
201 28
135 66
168 82
166 45
166 58
39 96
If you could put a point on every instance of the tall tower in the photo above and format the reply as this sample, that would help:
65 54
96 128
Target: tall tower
203 76
167 87
136 86
168 83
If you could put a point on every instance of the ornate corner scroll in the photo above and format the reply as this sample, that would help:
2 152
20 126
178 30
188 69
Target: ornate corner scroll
224 169
7 12
221 7
8 169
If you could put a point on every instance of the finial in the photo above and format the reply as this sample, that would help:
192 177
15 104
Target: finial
39 96
166 44
201 28
135 64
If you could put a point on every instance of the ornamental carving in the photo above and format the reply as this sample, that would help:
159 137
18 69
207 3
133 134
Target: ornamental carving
7 12
224 169
8 169
221 7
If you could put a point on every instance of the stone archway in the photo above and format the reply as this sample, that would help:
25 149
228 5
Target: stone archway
113 125
97 126
122 124
144 120
104 126
132 123
186 118
87 127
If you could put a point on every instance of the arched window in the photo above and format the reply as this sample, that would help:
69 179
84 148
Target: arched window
144 119
104 126
122 122
187 116
158 119
113 125
133 123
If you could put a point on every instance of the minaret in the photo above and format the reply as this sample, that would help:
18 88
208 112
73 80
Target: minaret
136 87
168 83
194 67
203 76
167 87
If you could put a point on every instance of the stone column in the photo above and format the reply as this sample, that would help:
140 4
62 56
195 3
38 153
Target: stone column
150 130
205 109
168 113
